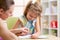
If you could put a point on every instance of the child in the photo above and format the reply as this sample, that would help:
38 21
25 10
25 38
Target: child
30 19
6 7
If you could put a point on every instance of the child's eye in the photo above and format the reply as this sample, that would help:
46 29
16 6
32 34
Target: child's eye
32 16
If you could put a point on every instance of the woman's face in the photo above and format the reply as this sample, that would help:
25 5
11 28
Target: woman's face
31 15
7 13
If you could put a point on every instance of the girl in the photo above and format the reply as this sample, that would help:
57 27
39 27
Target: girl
30 19
6 7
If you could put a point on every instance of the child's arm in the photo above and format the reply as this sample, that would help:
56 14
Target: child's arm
21 26
17 24
20 31
5 33
37 29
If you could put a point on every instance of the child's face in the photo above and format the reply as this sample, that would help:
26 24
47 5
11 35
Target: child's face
31 15
7 13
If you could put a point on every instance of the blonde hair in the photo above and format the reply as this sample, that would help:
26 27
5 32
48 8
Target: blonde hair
33 7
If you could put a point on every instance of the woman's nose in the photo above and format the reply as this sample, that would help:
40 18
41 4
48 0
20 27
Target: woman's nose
10 14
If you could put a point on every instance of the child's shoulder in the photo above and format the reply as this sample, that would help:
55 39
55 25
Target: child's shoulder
23 19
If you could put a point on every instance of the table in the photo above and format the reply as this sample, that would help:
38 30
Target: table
50 37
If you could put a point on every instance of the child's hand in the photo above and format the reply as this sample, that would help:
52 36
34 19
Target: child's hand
23 31
19 30
26 31
22 34
34 36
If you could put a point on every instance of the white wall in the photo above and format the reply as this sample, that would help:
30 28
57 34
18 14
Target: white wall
19 7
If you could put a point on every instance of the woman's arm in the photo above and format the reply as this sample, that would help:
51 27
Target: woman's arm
5 33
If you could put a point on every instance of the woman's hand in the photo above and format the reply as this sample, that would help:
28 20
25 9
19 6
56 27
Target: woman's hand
20 31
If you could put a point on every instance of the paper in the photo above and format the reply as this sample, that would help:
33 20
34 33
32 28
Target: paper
29 36
43 36
26 36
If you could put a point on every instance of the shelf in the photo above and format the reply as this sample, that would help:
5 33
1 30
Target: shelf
45 27
53 17
44 1
53 7
54 28
45 7
45 31
49 17
52 0
54 14
50 28
45 22
48 14
54 32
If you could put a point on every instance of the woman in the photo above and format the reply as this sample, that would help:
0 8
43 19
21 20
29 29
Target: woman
6 8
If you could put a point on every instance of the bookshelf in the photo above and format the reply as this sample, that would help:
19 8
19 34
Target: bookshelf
59 17
50 18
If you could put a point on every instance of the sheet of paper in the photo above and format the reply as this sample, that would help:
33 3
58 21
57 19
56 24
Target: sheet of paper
26 36
29 36
43 36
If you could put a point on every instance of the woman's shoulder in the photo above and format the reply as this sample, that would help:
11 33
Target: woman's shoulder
0 20
3 23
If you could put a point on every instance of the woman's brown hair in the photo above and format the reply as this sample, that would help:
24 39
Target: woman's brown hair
5 4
